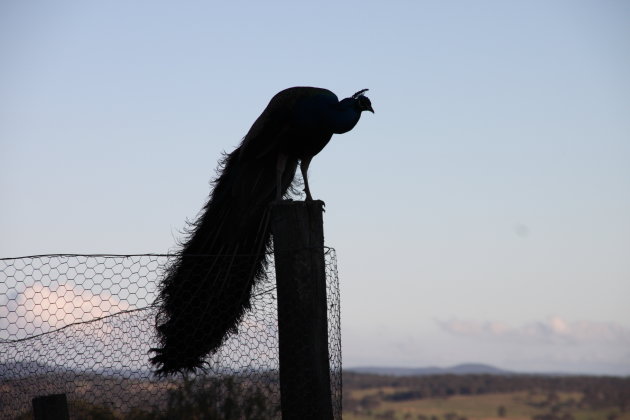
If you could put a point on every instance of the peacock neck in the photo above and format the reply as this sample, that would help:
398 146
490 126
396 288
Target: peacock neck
345 116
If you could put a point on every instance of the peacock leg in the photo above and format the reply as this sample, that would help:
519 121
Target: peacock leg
304 168
281 164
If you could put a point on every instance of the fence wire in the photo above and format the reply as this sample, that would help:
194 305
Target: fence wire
83 325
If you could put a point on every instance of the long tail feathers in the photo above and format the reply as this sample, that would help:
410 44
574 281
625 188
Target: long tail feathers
207 289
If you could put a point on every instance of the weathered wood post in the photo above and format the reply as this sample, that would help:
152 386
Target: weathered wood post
50 407
298 239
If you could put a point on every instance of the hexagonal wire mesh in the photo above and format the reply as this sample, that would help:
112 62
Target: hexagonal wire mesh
83 324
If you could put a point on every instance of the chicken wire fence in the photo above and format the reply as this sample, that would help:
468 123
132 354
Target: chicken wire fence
83 325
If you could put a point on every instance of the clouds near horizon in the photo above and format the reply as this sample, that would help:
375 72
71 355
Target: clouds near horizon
38 309
553 330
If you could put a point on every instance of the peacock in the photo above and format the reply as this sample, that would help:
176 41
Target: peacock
207 287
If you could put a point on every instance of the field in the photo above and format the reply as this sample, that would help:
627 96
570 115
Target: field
478 407
403 402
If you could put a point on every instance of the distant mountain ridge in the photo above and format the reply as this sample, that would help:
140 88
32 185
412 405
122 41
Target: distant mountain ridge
463 369
21 369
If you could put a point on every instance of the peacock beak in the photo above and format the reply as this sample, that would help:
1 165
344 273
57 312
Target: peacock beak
369 108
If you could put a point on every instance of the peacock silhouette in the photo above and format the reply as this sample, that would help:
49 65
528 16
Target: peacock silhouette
207 288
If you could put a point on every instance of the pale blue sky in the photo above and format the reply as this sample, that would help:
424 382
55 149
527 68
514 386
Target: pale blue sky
481 215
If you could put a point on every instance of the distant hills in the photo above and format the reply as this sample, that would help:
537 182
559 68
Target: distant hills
13 370
24 369
20 369
463 369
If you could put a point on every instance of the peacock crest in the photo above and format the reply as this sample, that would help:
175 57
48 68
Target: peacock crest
359 93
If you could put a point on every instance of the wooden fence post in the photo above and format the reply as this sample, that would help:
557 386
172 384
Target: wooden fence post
50 407
298 239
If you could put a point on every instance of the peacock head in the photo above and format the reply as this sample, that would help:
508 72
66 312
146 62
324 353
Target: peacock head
363 101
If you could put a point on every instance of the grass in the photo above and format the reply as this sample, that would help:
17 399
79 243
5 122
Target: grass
479 407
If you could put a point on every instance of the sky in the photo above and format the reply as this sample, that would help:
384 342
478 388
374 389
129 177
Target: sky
482 214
